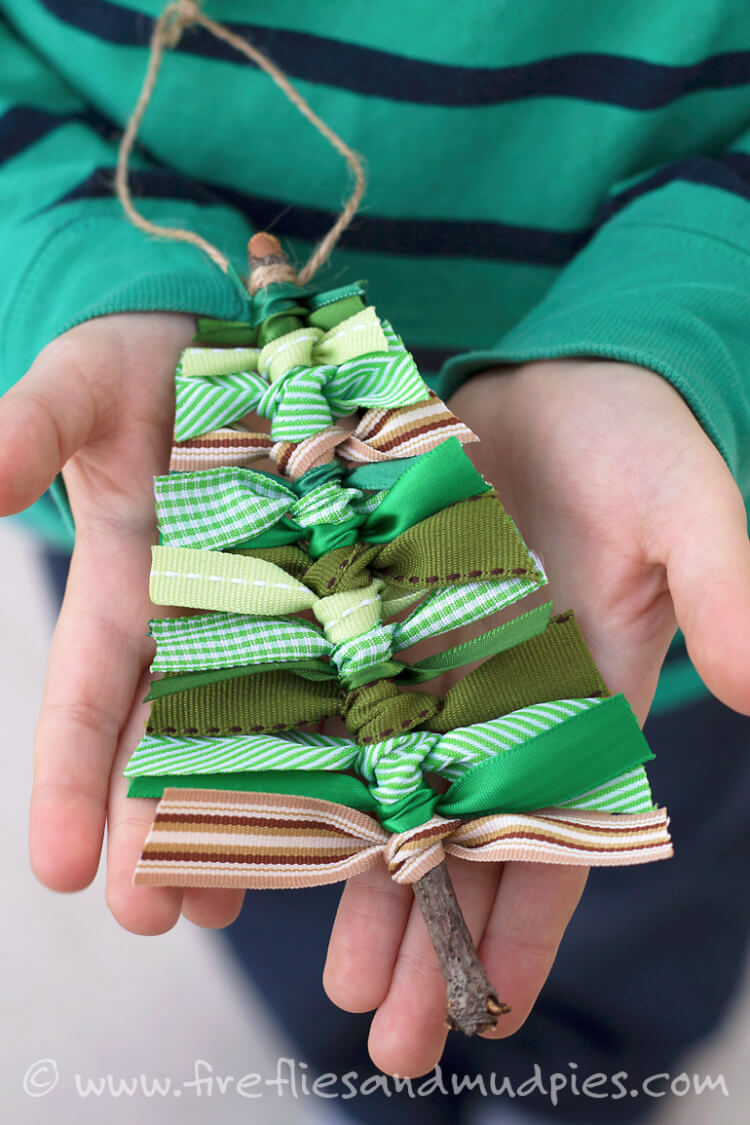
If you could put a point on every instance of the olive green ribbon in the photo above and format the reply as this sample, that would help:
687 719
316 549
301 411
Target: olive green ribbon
547 666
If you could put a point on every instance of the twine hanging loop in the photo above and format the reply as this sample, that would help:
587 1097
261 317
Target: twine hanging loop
167 32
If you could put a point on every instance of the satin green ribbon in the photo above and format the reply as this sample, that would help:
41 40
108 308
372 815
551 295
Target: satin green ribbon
434 481
574 757
219 508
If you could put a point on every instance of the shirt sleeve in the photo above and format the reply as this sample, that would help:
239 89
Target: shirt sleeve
664 282
68 256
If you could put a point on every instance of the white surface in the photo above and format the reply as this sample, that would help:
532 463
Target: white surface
79 990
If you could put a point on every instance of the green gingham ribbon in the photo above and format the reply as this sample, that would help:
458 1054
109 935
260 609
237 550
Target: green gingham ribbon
217 508
306 398
226 640
602 767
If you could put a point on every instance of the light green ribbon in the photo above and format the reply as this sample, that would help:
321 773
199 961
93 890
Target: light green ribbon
307 378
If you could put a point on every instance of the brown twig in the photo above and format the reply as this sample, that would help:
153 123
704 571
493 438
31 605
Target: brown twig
472 1002
267 261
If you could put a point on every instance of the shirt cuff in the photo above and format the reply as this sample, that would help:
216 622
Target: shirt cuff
664 286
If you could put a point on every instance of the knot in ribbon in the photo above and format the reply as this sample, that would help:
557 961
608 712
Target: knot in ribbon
578 753
381 434
366 656
301 380
218 508
295 458
324 842
395 767
325 504
350 613
377 711
358 335
410 855
214 509
359 645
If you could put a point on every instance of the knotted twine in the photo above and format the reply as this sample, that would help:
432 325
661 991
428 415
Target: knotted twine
167 32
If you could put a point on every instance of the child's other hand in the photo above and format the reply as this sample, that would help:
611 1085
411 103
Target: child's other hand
99 400
641 527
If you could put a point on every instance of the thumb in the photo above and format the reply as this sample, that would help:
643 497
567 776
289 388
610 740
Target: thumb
708 572
49 414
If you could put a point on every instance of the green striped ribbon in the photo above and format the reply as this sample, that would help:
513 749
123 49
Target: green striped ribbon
305 399
574 753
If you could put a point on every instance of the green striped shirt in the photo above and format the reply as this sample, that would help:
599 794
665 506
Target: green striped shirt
545 179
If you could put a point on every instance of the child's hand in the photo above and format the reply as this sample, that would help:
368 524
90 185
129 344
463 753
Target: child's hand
99 400
640 525
609 477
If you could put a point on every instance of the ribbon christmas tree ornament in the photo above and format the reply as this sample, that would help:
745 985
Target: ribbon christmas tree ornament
308 588
376 527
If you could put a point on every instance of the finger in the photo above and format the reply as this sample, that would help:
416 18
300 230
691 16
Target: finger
100 645
708 571
408 1030
150 910
212 908
97 655
49 414
140 909
365 939
533 905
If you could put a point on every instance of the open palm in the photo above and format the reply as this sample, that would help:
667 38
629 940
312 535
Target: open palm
99 400
611 479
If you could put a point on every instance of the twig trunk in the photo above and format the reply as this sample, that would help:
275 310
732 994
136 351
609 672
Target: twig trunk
472 1003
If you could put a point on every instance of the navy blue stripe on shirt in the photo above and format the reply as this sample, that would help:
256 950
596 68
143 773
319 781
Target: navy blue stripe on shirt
23 125
426 238
730 172
368 233
596 77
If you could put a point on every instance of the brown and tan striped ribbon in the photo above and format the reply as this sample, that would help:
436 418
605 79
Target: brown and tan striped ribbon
380 435
405 431
218 448
217 838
